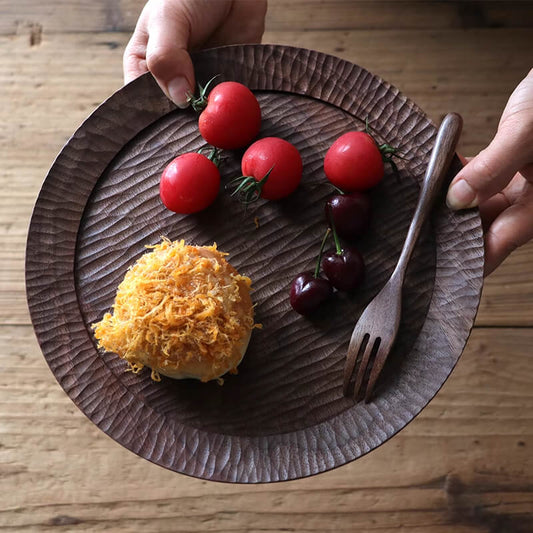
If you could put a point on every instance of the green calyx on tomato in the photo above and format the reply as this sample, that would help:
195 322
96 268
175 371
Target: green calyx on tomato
248 188
229 114
355 162
199 103
214 155
387 151
271 168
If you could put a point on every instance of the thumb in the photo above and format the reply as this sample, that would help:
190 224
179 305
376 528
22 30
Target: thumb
167 57
511 149
490 171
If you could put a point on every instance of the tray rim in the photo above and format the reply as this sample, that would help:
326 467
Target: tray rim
146 84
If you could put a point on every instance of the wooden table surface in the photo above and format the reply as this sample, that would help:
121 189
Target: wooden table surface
464 465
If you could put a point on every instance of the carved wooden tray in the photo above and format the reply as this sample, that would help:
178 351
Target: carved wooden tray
283 416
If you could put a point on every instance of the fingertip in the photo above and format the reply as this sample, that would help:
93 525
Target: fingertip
173 70
178 91
461 195
167 55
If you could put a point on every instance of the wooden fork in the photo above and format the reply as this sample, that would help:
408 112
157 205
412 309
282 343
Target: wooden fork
375 332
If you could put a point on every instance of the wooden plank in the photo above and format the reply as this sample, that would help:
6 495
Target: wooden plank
463 465
501 302
362 15
424 67
39 111
46 91
67 16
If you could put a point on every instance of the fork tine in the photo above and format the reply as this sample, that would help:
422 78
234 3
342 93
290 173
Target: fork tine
361 370
357 345
379 362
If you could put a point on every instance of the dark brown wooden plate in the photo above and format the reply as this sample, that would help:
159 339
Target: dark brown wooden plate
283 416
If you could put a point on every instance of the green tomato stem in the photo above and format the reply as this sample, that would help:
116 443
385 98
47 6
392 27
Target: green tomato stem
387 152
200 103
213 155
248 188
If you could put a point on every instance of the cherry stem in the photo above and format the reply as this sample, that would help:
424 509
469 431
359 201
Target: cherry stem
319 260
340 191
338 246
200 103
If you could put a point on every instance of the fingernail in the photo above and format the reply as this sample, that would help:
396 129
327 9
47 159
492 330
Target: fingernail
178 89
461 196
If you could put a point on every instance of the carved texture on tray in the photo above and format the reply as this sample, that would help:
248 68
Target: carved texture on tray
283 416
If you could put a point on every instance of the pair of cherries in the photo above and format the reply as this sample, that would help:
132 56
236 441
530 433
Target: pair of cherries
348 216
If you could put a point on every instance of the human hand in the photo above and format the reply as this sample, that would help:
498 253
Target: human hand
168 29
500 180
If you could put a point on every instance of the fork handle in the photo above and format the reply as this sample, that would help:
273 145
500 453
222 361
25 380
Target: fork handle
439 163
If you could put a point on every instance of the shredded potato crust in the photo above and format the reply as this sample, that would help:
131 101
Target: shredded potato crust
172 307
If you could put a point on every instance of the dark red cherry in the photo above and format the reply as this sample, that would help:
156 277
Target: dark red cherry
308 292
345 270
350 214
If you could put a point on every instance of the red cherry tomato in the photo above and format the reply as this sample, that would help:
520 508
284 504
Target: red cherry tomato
189 183
278 159
354 162
232 117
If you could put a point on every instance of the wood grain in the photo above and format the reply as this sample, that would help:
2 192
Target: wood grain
87 69
77 16
463 465
295 421
473 440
